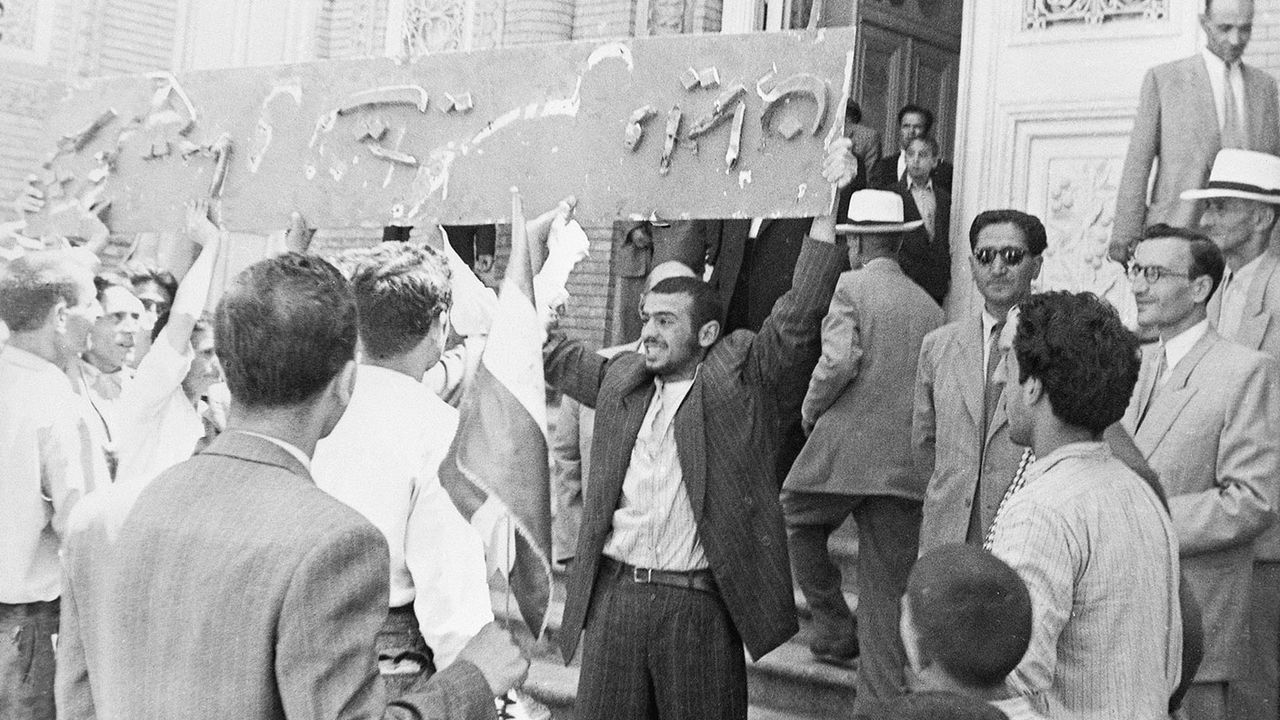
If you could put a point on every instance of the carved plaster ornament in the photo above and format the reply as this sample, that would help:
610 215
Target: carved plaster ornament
720 111
75 142
735 137
221 151
669 145
689 79
709 78
413 95
371 127
461 103
167 125
635 126
395 156
797 86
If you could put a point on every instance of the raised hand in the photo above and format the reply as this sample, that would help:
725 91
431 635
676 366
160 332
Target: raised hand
200 228
500 659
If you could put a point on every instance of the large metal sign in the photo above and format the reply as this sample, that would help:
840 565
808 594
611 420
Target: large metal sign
677 127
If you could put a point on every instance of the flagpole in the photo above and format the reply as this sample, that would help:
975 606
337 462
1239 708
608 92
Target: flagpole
519 254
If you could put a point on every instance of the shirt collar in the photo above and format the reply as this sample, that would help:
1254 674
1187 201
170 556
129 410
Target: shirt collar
1070 450
1179 345
288 447
928 184
28 360
989 323
1244 275
1214 64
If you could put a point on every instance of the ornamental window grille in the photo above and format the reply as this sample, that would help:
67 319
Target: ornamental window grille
1041 14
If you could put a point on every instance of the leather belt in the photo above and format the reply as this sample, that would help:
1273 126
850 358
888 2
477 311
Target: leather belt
701 580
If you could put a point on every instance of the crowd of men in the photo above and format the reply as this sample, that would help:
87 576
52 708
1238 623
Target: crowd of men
239 514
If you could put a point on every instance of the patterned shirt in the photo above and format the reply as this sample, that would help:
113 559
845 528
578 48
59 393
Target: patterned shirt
1100 557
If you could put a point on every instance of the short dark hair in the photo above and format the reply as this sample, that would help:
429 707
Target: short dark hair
1033 232
705 305
924 112
972 613
1206 256
1085 357
104 281
141 274
400 290
34 283
853 111
284 330
932 705
927 140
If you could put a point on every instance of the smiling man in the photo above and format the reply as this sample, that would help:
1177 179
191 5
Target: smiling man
1206 415
959 431
1188 110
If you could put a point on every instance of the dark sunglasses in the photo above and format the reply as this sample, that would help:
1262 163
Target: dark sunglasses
1011 256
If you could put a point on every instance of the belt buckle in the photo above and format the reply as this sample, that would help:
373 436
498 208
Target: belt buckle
642 575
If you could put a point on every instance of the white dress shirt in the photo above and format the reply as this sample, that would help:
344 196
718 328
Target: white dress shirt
1177 347
926 203
1217 81
654 526
988 324
1099 555
383 460
156 425
1235 293
47 462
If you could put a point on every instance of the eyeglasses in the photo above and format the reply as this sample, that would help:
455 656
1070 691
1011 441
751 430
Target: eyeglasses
1011 256
1152 273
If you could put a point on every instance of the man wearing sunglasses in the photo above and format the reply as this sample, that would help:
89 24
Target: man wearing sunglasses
1206 415
960 436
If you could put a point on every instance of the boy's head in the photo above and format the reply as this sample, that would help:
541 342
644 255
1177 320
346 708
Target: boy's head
922 157
965 614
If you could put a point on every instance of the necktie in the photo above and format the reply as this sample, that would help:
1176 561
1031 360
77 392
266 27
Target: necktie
992 395
1156 382
1232 135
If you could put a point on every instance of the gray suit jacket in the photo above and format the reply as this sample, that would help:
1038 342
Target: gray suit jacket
860 393
727 439
950 447
1177 123
232 587
1260 330
1212 433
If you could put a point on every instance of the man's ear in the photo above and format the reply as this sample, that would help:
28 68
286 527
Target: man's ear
1203 288
1033 390
58 316
709 333
345 383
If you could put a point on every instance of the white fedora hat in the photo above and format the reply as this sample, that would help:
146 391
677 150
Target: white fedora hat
876 211
1241 174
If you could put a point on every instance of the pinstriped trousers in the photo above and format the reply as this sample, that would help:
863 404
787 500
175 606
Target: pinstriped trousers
653 651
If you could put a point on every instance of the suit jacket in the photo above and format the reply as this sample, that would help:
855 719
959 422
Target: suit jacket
1177 122
859 398
928 262
727 438
1212 433
867 148
884 174
232 587
1260 330
752 273
951 450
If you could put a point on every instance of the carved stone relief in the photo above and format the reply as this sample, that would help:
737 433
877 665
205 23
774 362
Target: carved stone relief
1079 210
18 24
1040 14
433 26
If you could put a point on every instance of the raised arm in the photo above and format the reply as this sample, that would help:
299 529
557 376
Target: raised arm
784 351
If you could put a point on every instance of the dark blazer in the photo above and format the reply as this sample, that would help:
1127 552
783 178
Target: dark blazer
884 174
928 262
232 587
751 274
727 436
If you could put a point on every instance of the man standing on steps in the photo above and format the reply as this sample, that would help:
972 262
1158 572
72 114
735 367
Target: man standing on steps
1188 110
1241 205
681 556
857 460
960 432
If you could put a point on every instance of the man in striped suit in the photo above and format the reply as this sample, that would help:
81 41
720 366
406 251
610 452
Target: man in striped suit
681 556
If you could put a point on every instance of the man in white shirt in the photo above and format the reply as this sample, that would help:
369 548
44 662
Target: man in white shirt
1241 204
1177 124
383 457
1087 534
1206 415
47 461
